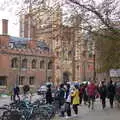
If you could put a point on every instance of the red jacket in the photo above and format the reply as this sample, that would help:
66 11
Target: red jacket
91 89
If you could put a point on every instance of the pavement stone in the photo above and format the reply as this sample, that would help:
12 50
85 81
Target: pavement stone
7 100
84 113
97 114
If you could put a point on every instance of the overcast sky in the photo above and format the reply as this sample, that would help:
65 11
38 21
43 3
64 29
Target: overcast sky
10 15
8 11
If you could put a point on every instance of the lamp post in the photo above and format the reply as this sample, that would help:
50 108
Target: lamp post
94 65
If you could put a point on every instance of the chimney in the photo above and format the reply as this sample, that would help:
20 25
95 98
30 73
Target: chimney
4 27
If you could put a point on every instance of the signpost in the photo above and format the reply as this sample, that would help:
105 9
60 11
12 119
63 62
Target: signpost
114 72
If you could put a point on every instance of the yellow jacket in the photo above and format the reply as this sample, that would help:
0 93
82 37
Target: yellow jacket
75 96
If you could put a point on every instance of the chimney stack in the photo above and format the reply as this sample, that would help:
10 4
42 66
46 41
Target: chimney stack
4 27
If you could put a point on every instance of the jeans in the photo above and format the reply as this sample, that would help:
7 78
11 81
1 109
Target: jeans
103 102
91 100
68 109
75 108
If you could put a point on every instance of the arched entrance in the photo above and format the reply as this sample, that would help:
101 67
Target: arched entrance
66 76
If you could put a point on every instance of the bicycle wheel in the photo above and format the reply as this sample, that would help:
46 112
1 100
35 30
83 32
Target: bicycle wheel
6 115
35 117
44 115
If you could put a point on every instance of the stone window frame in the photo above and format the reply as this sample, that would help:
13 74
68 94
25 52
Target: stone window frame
31 80
21 80
34 64
14 62
3 82
24 63
50 65
42 64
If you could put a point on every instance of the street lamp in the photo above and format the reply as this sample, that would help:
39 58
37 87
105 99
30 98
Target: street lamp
94 64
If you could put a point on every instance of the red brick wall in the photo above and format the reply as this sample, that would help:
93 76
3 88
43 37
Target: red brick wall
6 55
4 26
4 40
4 64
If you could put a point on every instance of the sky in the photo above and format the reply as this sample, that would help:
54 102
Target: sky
8 11
10 15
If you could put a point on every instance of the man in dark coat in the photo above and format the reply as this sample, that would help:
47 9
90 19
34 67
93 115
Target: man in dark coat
49 98
111 93
103 93
16 91
61 99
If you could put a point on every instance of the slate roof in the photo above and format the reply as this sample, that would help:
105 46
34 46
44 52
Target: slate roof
42 45
20 42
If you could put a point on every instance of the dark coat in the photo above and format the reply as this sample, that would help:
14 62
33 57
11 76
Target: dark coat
111 91
103 91
49 98
61 96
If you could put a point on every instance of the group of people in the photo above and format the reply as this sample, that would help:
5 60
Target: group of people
67 96
15 95
107 91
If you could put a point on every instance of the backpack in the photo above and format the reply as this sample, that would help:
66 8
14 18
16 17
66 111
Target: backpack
57 95
17 89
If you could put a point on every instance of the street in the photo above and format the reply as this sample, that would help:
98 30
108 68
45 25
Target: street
84 113
97 114
6 100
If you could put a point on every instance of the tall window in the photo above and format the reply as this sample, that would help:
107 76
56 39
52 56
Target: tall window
34 64
50 64
49 79
42 64
32 80
24 63
69 54
3 80
21 80
14 63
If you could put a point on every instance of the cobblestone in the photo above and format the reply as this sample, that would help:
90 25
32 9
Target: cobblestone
84 113
97 114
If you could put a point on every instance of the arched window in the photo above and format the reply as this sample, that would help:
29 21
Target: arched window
78 67
42 64
14 63
31 80
50 64
49 79
33 64
24 63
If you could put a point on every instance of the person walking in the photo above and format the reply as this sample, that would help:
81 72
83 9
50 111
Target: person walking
103 93
68 101
85 96
81 93
111 93
61 99
91 92
27 95
75 99
49 98
16 92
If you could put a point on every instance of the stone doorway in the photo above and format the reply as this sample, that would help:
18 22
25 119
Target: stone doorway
66 77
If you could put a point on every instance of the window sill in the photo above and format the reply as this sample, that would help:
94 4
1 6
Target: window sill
32 85
2 86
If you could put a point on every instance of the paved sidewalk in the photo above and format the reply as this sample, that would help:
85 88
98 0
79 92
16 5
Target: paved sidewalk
7 100
84 113
97 114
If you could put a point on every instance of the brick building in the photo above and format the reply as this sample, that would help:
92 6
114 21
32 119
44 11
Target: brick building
60 39
24 61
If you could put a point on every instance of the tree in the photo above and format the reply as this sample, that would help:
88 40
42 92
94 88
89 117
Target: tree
108 52
102 20
98 15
